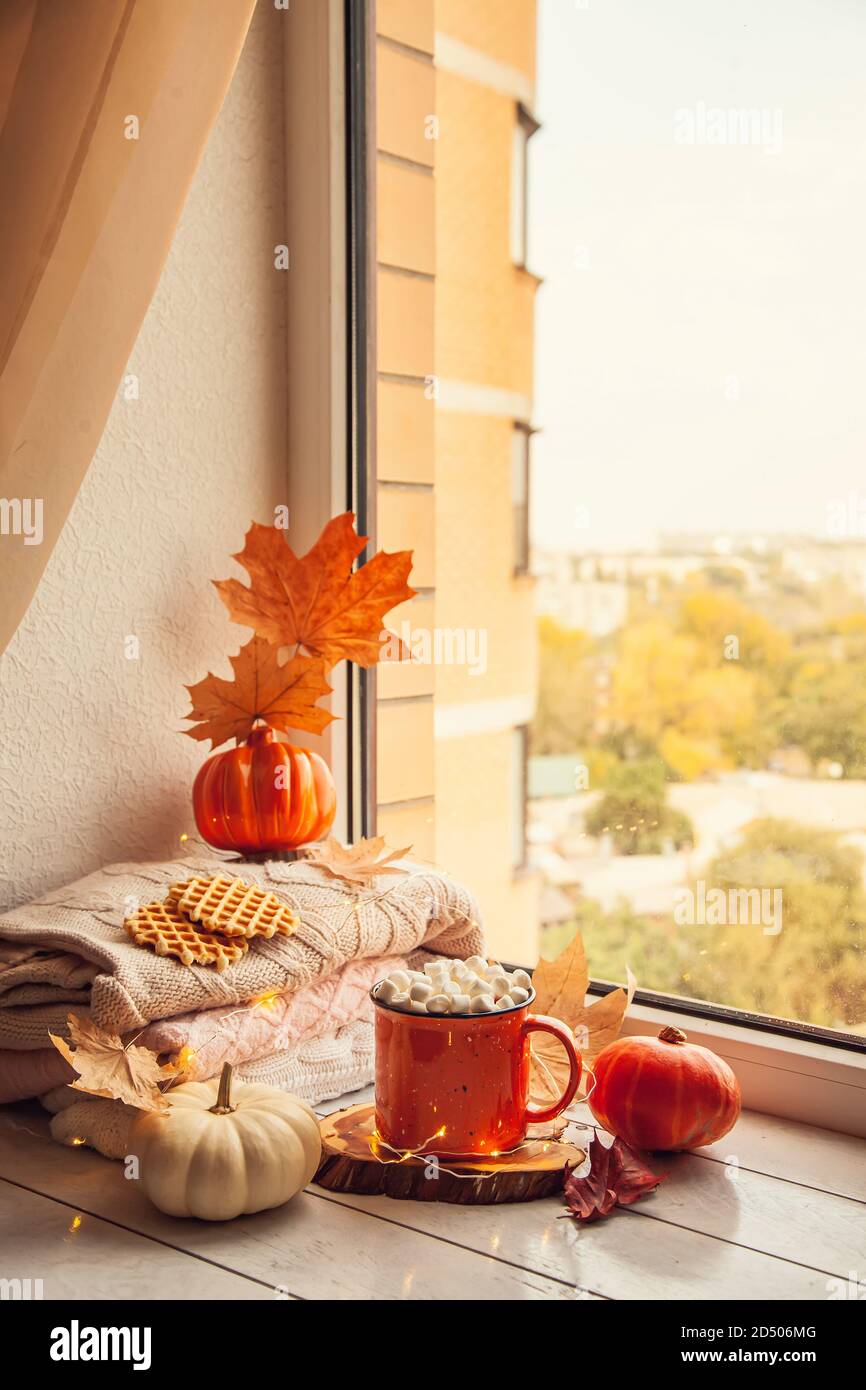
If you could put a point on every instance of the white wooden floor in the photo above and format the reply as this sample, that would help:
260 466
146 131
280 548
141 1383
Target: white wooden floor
776 1210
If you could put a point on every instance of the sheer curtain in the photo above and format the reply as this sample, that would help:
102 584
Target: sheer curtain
105 109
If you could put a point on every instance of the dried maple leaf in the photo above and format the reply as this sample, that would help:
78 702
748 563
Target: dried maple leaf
283 695
359 863
106 1068
560 990
617 1176
317 602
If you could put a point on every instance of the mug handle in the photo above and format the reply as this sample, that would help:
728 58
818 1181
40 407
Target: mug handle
540 1023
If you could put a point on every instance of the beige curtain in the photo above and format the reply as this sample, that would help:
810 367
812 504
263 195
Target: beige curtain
105 108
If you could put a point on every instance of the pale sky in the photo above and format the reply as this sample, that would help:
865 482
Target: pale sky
699 336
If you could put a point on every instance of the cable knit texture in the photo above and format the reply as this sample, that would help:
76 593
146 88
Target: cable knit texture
315 1070
64 934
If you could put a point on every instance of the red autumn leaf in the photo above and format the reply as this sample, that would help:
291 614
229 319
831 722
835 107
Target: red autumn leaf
317 603
617 1177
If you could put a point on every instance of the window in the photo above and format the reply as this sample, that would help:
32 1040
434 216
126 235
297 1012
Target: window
520 496
519 745
699 747
524 128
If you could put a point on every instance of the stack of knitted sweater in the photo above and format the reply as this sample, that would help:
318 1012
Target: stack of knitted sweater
294 1011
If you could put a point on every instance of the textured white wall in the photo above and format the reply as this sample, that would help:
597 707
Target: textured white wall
92 767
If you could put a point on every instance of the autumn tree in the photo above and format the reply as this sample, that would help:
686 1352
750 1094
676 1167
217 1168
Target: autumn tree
634 811
569 689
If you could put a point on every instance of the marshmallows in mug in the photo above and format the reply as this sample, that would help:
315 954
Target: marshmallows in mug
473 986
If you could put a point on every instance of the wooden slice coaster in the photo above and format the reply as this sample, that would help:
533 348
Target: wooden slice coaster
354 1161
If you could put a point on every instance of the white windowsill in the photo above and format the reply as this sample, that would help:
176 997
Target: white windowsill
790 1077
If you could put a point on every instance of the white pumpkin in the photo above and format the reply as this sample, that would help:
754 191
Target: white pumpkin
223 1151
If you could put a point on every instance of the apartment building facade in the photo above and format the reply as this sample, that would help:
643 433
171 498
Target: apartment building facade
455 86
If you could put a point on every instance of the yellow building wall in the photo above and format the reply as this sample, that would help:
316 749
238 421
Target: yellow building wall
483 346
453 310
504 30
406 461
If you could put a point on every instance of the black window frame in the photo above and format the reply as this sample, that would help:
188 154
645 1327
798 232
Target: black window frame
359 45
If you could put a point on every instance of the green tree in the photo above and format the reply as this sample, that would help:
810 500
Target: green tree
813 970
826 714
634 811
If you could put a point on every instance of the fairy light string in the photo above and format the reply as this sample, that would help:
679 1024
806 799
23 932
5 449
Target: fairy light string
183 1063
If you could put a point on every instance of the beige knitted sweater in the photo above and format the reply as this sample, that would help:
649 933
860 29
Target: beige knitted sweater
68 950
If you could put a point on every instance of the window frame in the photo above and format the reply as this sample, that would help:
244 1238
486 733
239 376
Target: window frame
359 48
330 335
520 737
784 1070
525 126
521 557
810 1080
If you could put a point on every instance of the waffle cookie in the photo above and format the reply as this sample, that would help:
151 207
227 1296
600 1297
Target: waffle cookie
163 928
232 908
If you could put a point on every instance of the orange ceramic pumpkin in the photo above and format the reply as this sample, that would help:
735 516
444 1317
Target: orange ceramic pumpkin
264 795
664 1092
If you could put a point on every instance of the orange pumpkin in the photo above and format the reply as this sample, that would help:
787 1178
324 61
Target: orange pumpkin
264 795
664 1092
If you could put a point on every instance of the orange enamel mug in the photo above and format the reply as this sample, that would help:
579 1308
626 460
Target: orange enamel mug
459 1083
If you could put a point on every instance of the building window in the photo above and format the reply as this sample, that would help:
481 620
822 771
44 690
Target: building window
524 128
519 756
520 496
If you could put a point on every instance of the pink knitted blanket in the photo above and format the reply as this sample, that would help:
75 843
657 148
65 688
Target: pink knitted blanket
236 1034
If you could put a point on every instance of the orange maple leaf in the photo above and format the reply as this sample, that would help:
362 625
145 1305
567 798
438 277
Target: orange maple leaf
358 863
318 603
560 988
283 695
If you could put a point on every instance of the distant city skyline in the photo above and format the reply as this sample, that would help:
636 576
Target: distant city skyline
699 335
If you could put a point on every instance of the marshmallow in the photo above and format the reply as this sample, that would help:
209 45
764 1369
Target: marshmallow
482 1004
446 986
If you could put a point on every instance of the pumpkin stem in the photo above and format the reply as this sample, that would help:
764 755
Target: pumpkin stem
672 1035
223 1101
